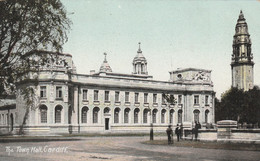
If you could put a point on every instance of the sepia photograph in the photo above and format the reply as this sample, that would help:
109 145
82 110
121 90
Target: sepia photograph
129 80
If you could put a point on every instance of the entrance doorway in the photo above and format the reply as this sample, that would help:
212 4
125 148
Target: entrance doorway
106 123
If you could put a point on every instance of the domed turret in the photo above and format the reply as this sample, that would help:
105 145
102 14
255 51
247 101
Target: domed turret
105 67
140 63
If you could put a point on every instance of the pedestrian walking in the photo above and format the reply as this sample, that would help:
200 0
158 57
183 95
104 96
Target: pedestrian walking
169 134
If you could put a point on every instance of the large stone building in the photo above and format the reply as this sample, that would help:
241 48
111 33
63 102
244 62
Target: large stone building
105 101
242 64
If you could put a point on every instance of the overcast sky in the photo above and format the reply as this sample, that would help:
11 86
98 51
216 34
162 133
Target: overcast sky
173 34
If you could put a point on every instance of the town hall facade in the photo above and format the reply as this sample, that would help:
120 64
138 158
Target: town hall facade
105 101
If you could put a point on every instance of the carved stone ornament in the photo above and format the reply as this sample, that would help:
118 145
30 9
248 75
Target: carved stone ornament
201 76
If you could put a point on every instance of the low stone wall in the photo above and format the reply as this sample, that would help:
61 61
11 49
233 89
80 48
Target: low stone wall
252 134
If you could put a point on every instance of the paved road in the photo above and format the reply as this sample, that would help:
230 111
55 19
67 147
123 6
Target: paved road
114 148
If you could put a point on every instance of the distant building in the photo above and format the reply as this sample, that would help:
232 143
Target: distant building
105 101
242 64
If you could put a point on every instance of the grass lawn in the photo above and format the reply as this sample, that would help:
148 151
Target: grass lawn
208 145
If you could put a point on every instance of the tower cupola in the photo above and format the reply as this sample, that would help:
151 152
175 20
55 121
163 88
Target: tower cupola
242 58
140 63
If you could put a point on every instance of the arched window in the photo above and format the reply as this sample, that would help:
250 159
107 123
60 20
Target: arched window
180 116
43 113
136 114
106 110
84 112
116 115
58 110
145 116
95 115
196 115
163 116
171 115
206 116
126 115
154 115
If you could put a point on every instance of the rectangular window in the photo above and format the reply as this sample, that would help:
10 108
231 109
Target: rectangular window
106 95
136 97
85 94
196 99
43 92
117 96
163 100
58 92
180 99
126 96
206 100
154 98
96 95
145 97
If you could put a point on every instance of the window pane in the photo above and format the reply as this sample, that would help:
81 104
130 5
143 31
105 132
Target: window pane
136 97
196 99
126 96
171 116
154 116
145 97
154 98
58 114
179 99
95 95
58 92
126 116
163 117
95 115
145 116
117 96
43 111
84 115
116 116
85 94
180 116
206 100
43 91
136 112
106 95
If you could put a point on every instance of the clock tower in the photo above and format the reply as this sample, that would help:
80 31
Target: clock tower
242 64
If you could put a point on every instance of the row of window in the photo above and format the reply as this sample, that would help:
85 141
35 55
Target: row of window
96 96
84 112
44 95
43 114
126 115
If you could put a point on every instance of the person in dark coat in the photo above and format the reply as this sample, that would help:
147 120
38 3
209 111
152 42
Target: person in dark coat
196 130
178 132
169 134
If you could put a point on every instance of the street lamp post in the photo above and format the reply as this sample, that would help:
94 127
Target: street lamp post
151 124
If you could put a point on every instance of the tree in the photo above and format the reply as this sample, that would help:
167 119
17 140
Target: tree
239 105
169 98
26 27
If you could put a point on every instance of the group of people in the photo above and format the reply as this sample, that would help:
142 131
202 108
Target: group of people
169 132
178 132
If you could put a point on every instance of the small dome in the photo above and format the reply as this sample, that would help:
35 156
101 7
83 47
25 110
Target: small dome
105 67
139 56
